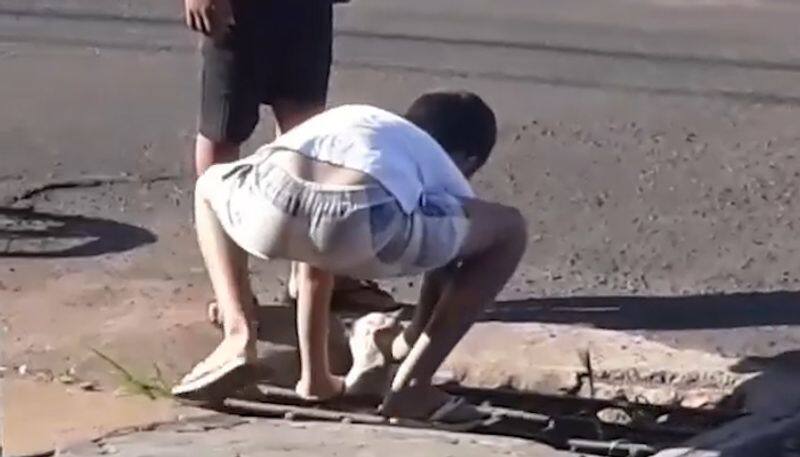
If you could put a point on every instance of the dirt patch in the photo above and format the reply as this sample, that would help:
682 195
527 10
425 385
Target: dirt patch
45 416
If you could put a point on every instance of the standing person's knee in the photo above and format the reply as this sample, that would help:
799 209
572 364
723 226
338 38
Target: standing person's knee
221 149
209 151
290 113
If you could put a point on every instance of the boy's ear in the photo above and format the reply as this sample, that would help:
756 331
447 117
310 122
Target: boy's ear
471 165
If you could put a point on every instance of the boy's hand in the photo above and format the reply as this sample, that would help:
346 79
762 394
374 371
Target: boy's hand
209 17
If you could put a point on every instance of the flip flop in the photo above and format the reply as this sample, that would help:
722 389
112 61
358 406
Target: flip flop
441 420
216 383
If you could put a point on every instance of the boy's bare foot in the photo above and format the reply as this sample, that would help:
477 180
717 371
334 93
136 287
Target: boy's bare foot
320 390
429 403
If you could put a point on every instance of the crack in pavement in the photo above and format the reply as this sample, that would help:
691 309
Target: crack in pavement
82 183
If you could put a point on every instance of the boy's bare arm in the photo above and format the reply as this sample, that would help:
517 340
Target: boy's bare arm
433 284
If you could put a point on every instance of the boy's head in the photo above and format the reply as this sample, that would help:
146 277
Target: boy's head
461 122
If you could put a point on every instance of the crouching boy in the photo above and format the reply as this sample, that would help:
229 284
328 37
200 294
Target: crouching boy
360 192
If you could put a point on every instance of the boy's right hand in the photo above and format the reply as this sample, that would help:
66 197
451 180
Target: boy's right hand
209 17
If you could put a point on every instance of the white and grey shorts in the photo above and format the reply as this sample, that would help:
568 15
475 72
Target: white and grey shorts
359 231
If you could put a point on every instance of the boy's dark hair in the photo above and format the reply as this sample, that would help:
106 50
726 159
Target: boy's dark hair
459 121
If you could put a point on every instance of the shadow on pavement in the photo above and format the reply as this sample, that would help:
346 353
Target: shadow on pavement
774 388
25 233
772 427
656 313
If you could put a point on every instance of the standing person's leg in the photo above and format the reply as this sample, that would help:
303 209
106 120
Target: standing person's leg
229 98
290 113
209 152
490 254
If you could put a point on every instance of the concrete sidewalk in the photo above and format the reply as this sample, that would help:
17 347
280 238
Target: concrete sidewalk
226 436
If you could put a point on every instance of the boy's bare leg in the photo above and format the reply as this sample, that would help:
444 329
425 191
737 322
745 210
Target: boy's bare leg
315 288
490 255
226 264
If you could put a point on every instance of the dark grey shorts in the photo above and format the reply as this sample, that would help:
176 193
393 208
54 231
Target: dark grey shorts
278 49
